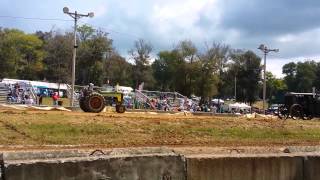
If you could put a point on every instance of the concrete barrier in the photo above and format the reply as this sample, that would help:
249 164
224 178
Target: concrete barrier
311 170
157 167
1 167
158 164
303 166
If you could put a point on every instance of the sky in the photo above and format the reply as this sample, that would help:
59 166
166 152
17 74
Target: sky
292 26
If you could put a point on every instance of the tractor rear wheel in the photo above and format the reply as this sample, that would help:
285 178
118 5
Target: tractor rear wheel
120 108
83 105
296 111
95 102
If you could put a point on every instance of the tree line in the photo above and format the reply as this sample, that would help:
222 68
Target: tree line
213 71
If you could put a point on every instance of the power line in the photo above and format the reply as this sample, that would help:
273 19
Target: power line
34 18
66 20
114 31
123 33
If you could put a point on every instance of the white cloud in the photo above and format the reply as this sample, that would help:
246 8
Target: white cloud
100 10
179 18
286 38
275 65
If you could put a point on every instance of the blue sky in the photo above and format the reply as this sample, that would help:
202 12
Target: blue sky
293 26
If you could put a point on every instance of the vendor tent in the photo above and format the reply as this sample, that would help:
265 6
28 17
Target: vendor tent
217 101
239 106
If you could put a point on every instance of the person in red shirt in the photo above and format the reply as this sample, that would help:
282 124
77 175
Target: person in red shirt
55 98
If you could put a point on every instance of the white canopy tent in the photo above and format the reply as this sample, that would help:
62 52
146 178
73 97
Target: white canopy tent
239 106
217 101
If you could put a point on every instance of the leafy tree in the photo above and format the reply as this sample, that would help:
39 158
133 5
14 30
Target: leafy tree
169 71
90 65
290 71
306 76
57 62
316 83
21 55
188 52
208 77
142 72
276 89
247 68
118 70
301 76
85 32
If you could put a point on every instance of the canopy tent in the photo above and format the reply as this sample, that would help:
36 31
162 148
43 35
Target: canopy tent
217 101
37 84
239 106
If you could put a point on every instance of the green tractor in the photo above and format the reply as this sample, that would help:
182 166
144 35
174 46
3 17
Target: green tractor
95 100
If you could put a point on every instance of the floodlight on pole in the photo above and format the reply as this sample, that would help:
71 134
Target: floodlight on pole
75 15
265 51
65 10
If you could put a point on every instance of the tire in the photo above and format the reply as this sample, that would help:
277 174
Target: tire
95 102
83 105
120 108
283 113
296 111
307 116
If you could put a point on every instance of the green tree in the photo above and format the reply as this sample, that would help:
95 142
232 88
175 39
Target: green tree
208 77
306 76
118 70
316 83
276 89
57 62
188 52
21 55
142 71
170 72
301 76
85 32
246 67
90 61
290 71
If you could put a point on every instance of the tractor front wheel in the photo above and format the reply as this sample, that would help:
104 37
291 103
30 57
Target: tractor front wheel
283 112
120 108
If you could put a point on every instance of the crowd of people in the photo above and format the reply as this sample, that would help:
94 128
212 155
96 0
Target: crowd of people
165 103
21 93
168 103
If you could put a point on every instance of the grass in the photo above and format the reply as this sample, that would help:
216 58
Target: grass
123 130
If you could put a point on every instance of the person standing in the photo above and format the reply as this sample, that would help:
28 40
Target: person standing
40 99
55 98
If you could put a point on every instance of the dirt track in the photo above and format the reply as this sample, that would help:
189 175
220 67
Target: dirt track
55 129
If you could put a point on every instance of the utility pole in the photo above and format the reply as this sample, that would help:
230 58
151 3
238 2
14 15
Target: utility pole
235 88
265 51
75 16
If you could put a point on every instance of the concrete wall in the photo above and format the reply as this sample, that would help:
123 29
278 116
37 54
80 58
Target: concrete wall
156 167
165 166
254 168
245 168
311 168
